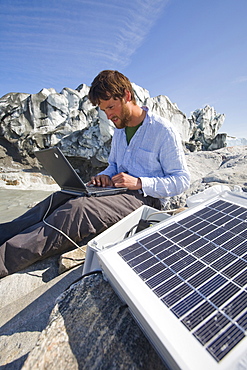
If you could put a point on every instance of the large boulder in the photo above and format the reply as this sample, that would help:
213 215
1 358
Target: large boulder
225 166
68 120
90 328
207 124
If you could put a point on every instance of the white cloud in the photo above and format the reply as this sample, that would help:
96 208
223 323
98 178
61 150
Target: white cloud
240 79
53 41
111 30
133 25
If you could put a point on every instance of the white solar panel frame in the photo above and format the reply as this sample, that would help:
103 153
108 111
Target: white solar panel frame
173 341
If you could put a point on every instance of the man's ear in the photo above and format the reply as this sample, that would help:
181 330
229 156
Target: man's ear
127 97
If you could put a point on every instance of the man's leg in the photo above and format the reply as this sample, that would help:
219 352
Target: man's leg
32 216
78 218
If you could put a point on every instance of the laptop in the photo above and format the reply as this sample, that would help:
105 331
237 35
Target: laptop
66 177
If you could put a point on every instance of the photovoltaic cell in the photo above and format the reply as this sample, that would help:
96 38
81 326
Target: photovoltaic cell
146 264
167 286
241 279
223 238
177 294
198 315
198 243
234 268
219 298
233 242
243 233
243 216
223 261
242 321
237 305
192 269
183 263
222 221
214 255
187 304
212 285
201 277
197 266
175 257
232 224
152 271
225 342
160 247
159 278
211 328
209 247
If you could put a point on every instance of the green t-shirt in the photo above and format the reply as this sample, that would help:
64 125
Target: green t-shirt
130 132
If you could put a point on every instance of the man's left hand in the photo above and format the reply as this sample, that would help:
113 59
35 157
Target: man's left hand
122 179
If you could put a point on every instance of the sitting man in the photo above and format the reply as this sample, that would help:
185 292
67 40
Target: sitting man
146 157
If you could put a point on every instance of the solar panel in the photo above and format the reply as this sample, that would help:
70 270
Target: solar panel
186 278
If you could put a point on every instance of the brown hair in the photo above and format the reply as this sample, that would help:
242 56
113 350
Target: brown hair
110 84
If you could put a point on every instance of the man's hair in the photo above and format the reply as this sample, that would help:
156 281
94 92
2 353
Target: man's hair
110 84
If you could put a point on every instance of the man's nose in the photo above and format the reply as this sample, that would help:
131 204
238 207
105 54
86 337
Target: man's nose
108 115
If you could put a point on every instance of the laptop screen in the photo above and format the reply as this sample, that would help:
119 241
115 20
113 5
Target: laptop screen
60 169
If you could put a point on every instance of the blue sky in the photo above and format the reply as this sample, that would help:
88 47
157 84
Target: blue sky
193 51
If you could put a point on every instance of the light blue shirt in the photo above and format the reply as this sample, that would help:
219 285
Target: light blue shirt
155 155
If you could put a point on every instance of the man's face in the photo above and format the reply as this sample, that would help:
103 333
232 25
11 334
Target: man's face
117 111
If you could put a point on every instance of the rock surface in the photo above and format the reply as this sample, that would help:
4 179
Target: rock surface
72 258
206 126
68 120
226 166
90 328
26 301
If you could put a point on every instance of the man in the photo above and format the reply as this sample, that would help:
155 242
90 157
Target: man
146 157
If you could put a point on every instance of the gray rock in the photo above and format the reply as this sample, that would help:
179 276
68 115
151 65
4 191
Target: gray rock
208 123
68 120
72 258
165 108
226 166
90 328
233 169
26 301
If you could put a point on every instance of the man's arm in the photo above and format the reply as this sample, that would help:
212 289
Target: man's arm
167 150
167 186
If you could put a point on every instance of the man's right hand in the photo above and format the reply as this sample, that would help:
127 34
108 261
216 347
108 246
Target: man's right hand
100 180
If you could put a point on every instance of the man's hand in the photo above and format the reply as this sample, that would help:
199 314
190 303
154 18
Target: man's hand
122 179
101 180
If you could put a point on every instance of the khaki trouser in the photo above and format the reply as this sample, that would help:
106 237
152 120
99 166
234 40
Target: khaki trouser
28 239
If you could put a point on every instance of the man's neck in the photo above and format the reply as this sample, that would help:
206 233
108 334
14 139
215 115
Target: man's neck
137 116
